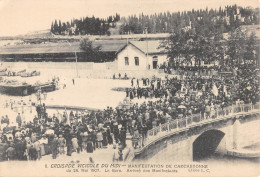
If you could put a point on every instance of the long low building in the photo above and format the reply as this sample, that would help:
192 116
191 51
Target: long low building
59 52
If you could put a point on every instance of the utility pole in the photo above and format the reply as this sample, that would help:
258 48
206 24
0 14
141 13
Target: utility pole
146 31
76 59
76 64
127 41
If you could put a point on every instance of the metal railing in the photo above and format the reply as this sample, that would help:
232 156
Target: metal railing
177 125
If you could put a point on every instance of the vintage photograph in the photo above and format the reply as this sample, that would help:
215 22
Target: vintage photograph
129 88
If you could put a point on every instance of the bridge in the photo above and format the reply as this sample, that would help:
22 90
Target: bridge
225 130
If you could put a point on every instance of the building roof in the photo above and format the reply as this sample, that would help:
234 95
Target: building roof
135 36
149 47
60 47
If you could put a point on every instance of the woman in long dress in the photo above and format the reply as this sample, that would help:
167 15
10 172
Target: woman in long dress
74 143
43 142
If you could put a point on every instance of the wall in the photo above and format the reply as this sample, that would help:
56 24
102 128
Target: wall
177 148
49 65
241 134
180 146
62 69
248 132
85 69
67 69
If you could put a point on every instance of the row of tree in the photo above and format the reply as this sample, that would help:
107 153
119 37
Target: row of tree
222 20
86 25
189 48
240 48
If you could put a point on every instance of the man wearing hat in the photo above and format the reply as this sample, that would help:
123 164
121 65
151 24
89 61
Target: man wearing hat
116 131
79 139
54 146
122 137
109 135
55 119
68 137
20 147
32 152
10 152
38 110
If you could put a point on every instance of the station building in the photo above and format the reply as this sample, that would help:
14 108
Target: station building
141 55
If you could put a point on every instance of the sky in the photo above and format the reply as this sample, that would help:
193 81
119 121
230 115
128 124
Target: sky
23 16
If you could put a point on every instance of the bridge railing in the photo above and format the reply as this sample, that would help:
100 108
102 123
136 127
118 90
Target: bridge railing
193 120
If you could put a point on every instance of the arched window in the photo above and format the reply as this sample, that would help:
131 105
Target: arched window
155 57
155 62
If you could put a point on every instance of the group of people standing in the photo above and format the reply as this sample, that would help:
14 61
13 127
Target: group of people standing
79 131
57 136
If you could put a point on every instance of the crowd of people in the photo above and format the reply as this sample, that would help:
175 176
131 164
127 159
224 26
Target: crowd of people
242 85
73 132
88 131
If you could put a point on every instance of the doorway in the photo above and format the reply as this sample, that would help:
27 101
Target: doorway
155 62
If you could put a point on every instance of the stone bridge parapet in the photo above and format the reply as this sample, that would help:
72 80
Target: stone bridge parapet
195 124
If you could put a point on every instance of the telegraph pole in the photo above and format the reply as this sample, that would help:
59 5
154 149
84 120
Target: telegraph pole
146 31
76 59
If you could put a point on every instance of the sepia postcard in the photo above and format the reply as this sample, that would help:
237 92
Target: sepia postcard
129 88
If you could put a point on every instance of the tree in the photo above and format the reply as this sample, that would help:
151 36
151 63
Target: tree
201 49
219 48
55 27
60 27
236 47
184 46
68 25
205 21
178 47
52 28
63 28
91 52
251 50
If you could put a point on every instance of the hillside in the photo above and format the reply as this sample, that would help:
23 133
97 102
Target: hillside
203 20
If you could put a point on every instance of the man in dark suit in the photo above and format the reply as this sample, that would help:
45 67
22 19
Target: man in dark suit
54 146
68 137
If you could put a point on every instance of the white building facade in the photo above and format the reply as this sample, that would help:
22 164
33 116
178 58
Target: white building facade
141 55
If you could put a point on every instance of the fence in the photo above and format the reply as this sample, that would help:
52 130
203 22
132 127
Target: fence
197 119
